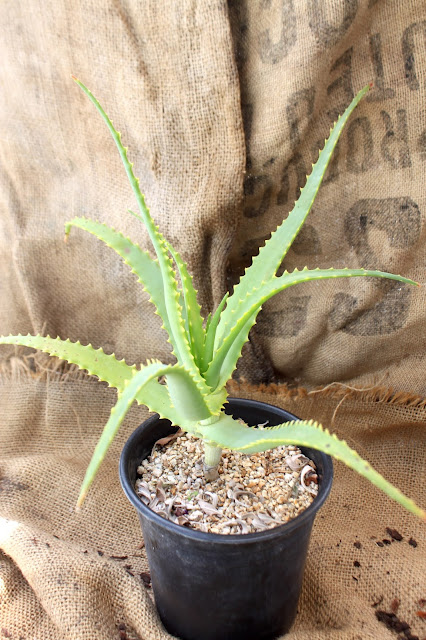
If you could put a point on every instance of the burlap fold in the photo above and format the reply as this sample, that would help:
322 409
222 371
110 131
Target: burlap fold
223 106
75 576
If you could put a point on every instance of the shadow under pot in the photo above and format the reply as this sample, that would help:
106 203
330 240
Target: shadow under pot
210 586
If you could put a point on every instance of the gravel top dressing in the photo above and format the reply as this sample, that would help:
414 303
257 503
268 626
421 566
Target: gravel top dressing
253 492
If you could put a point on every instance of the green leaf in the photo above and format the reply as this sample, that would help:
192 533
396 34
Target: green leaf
229 350
142 265
270 256
208 320
187 399
97 363
183 392
210 333
225 361
106 367
231 434
171 295
192 310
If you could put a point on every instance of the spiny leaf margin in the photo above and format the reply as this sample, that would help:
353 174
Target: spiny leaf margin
192 308
230 348
133 388
229 433
140 262
95 361
271 255
171 294
116 373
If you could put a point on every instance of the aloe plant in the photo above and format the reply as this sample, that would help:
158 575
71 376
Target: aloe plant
206 351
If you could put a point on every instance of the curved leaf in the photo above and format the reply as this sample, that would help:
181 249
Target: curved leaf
171 295
238 327
191 308
97 363
270 256
210 333
106 367
142 265
183 391
231 434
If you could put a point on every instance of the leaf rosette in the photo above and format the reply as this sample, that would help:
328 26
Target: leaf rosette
206 351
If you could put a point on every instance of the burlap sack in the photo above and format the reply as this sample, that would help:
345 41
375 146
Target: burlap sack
223 107
167 73
300 63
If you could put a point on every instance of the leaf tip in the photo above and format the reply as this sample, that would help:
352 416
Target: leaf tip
81 499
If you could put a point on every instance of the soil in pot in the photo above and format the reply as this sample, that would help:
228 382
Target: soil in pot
253 492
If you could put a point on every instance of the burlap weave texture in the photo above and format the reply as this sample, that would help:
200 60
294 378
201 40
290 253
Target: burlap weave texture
300 63
223 106
78 576
223 109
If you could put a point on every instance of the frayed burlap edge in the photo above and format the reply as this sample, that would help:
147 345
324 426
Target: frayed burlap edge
40 366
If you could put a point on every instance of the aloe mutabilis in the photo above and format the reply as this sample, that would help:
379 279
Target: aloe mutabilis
206 351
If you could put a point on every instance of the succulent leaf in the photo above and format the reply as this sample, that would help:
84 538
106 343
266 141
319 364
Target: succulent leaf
208 320
171 294
210 333
225 361
97 363
192 310
270 256
237 329
106 367
229 433
142 265
216 400
194 393
189 401
183 392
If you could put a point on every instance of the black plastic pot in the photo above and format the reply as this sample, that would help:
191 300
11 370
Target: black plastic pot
224 587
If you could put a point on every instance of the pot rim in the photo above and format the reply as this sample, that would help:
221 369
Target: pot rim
238 538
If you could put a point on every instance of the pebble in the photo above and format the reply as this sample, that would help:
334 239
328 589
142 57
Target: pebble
273 491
